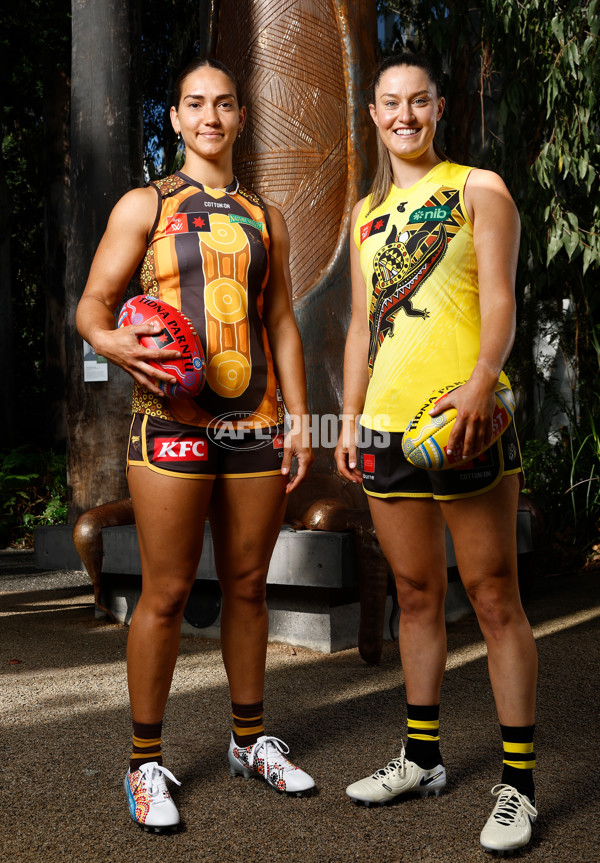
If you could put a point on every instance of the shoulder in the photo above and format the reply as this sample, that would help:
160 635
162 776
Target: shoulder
278 227
356 211
481 183
486 190
136 208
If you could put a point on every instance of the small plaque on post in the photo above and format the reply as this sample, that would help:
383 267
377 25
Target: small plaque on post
95 367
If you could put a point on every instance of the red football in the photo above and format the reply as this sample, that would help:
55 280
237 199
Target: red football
177 333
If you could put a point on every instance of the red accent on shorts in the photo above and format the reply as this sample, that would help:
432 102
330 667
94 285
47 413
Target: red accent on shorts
278 441
177 449
368 462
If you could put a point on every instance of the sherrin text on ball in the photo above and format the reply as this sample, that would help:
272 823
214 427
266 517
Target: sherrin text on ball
426 438
176 332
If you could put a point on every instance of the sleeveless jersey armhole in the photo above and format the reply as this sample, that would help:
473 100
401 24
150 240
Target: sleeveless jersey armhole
158 212
265 210
362 214
462 197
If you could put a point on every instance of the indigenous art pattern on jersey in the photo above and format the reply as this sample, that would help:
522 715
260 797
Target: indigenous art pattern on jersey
419 265
407 259
208 255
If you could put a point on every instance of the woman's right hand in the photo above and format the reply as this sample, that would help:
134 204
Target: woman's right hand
123 348
346 451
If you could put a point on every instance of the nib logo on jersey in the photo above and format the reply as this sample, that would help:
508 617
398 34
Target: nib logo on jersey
179 449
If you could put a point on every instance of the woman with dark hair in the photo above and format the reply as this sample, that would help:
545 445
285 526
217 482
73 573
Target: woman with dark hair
433 302
213 249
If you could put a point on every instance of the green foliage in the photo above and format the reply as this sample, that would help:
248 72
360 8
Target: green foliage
169 35
33 491
563 477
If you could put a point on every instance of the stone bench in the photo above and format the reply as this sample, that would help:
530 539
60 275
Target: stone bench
312 585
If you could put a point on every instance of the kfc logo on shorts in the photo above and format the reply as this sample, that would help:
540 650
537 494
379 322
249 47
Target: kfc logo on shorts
278 442
177 449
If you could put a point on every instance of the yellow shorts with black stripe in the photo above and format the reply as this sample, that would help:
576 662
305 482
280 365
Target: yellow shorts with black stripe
387 473
175 449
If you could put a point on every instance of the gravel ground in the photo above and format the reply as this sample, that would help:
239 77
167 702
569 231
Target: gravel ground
66 732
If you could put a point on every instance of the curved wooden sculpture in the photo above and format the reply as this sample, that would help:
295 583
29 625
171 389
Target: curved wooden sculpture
307 148
289 59
87 538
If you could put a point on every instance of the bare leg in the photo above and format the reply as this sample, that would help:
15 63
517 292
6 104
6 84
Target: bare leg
411 534
170 515
245 516
484 534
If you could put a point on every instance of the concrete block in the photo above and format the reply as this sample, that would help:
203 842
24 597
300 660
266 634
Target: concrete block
53 548
319 619
305 558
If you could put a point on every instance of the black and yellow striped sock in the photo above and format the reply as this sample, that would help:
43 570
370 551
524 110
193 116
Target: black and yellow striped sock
423 745
146 744
247 723
519 758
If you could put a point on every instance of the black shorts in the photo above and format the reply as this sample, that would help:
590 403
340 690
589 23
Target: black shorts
387 473
191 452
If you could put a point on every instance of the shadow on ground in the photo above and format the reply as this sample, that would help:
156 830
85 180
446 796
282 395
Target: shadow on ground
65 743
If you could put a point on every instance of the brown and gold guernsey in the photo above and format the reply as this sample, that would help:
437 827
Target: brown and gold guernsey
208 255
418 261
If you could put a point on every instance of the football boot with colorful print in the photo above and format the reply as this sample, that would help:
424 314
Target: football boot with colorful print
266 759
400 776
509 825
150 803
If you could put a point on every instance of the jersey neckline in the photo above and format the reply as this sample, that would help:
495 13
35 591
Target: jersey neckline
231 189
411 189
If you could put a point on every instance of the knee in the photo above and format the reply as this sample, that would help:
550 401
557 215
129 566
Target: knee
495 605
419 596
168 603
248 586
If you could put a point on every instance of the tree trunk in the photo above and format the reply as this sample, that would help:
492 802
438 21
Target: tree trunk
7 402
56 232
106 161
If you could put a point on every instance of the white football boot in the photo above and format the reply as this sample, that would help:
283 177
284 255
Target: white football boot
150 803
400 776
266 760
509 825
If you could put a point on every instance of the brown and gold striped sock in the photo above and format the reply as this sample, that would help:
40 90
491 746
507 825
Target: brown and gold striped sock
146 744
247 723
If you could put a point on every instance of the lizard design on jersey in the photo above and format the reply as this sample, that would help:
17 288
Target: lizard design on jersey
399 269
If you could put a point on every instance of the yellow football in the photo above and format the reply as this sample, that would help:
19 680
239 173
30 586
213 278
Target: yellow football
426 437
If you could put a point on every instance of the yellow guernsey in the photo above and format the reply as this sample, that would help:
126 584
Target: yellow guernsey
419 265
